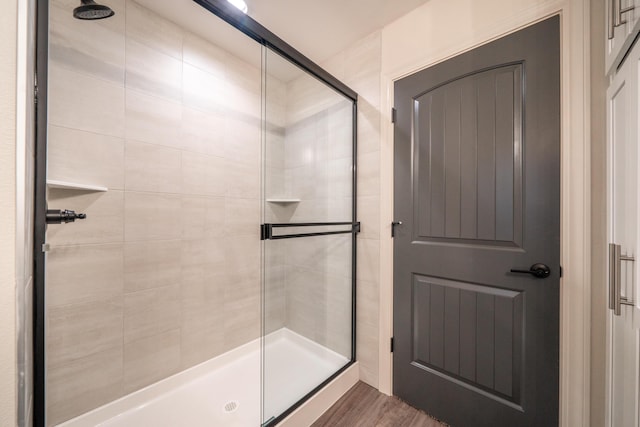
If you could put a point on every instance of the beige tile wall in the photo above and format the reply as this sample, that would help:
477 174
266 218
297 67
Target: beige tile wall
164 272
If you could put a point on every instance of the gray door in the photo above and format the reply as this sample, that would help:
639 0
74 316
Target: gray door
477 189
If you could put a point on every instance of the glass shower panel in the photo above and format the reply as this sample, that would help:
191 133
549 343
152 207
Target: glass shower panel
308 234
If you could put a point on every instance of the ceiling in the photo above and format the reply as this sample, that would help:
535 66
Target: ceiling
317 28
320 29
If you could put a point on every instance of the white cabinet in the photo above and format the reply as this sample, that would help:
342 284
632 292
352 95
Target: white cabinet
623 316
623 24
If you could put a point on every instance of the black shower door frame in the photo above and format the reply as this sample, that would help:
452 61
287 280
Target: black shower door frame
254 30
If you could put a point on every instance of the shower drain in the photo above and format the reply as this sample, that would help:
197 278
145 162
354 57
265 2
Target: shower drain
231 406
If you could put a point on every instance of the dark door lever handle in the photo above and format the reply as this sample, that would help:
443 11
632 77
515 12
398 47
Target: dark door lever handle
537 270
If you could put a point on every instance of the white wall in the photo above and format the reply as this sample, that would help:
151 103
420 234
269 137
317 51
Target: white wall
8 36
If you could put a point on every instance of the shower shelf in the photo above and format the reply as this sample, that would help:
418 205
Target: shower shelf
283 201
74 186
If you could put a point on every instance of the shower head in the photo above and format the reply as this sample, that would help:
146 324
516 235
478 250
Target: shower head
90 10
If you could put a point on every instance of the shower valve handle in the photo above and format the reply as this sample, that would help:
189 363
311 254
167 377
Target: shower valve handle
59 216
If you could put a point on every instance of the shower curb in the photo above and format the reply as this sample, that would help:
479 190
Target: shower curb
313 408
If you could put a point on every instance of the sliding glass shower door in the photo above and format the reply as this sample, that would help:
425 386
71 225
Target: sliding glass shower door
308 233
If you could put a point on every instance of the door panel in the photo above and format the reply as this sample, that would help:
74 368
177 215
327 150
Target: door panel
623 336
477 144
473 193
469 332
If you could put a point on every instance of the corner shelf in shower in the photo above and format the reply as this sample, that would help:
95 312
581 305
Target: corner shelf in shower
283 201
75 186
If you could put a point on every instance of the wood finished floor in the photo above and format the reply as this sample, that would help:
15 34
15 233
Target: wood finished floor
363 406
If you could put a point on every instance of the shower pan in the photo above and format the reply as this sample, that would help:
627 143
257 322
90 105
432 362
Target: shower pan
195 218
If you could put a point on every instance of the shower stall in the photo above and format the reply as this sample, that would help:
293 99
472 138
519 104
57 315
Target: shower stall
195 218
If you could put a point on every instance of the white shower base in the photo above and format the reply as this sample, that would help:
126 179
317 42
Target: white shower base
205 394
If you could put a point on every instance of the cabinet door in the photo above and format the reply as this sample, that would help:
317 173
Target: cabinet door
623 335
620 37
